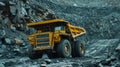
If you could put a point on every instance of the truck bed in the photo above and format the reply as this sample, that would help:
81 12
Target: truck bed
76 31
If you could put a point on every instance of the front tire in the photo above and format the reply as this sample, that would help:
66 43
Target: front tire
33 54
64 49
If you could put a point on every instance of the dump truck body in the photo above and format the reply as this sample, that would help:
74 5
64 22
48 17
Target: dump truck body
50 33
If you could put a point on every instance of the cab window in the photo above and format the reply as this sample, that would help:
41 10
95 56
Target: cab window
59 28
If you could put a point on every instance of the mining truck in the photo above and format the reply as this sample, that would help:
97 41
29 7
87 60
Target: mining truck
57 38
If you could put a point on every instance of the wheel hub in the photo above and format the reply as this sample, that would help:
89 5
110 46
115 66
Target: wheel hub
66 49
81 50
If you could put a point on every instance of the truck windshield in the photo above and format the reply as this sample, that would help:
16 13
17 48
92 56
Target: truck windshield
59 28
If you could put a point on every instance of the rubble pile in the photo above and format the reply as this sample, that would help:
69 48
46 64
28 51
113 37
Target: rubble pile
96 16
14 15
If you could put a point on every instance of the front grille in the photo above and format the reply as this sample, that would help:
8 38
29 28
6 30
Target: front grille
42 39
43 44
42 35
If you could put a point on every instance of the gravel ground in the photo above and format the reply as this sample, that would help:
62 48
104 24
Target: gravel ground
98 53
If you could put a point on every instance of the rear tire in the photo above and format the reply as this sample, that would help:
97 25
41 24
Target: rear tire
79 49
64 49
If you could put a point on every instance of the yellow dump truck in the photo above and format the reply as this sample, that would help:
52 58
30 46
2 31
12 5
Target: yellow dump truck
57 38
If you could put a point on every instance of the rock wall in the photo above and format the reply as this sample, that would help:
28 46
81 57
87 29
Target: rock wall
100 21
14 15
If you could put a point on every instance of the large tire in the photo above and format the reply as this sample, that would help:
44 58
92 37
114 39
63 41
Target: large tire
79 49
64 49
33 54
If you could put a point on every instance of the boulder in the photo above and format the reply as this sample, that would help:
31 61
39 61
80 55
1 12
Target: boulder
1 65
12 27
48 61
18 41
8 40
2 4
2 33
118 48
43 65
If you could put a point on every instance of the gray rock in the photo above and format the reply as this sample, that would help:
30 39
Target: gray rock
48 61
3 46
66 65
118 48
100 65
1 65
75 65
2 4
16 50
2 50
8 41
13 10
1 55
2 33
74 4
18 41
5 21
44 56
10 62
34 63
43 65
12 3
12 28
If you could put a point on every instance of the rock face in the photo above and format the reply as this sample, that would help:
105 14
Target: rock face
14 14
105 46
100 18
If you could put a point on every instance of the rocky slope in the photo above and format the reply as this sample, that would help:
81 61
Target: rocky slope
100 18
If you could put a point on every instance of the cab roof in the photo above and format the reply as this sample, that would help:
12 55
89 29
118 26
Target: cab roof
47 22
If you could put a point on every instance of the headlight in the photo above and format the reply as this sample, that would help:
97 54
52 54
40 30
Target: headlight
30 38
